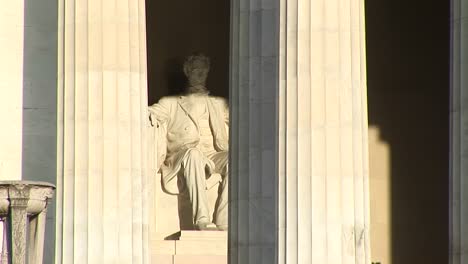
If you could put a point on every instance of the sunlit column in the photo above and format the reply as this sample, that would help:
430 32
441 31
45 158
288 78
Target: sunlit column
459 134
324 177
11 88
102 121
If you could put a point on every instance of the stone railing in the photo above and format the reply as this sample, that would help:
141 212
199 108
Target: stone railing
23 208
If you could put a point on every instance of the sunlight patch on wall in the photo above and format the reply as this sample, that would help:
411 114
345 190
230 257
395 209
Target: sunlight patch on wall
380 200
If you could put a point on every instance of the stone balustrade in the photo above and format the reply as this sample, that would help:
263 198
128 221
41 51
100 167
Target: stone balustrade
23 209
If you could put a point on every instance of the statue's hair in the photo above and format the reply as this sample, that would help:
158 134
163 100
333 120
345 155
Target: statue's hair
190 60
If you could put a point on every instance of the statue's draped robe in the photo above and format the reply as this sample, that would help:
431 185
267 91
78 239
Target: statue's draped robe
192 140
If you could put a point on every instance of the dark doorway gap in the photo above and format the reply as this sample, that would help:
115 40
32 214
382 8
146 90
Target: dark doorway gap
408 59
178 28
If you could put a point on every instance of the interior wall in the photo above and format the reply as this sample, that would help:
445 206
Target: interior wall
178 28
408 45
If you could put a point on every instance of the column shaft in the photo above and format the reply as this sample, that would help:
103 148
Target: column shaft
103 101
323 133
299 110
253 165
459 134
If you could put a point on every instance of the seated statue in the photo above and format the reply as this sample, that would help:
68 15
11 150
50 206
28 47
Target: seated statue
196 144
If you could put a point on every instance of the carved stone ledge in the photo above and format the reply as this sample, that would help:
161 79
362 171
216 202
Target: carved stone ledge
23 206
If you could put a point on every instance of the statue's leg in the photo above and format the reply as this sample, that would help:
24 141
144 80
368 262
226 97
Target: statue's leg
221 208
194 164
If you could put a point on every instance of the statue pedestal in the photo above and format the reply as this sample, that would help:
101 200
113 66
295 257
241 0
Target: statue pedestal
207 247
23 208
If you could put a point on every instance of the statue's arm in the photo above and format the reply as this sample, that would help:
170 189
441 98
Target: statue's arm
160 112
226 112
156 145
159 116
160 144
225 108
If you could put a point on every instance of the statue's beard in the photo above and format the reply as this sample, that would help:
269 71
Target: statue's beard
197 89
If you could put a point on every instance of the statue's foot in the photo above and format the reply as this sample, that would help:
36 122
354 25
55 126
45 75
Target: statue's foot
205 226
222 227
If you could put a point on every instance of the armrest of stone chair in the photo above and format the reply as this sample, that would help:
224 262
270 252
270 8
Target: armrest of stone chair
156 145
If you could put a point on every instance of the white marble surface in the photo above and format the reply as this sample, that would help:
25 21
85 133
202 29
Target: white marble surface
207 247
11 84
103 210
324 178
459 137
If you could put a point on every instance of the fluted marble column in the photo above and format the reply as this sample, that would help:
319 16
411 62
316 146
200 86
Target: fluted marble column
299 110
324 197
253 221
102 121
459 134
12 27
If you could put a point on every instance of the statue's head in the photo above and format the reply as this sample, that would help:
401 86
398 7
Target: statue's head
196 68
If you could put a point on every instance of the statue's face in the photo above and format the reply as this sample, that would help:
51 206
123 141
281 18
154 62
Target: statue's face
197 76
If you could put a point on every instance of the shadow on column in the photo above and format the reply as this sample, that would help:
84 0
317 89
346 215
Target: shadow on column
39 148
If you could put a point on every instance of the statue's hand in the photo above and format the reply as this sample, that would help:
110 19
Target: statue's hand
150 118
210 167
153 121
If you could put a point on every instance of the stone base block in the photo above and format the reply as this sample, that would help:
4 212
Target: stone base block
200 259
187 235
202 243
163 247
201 248
162 259
207 247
